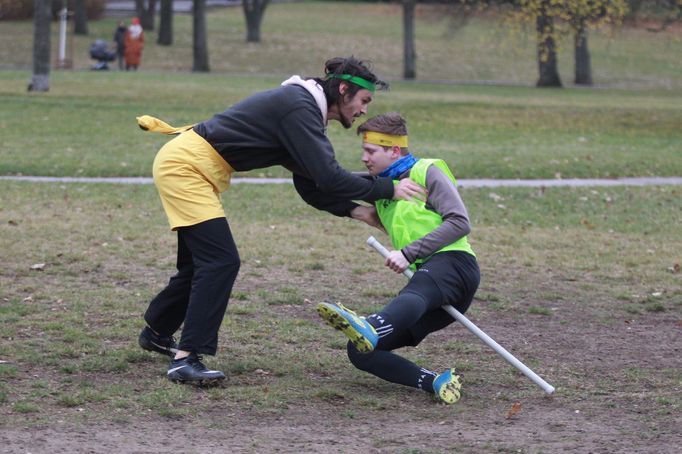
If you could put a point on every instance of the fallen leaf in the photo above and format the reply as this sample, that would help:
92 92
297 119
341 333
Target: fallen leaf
586 223
515 408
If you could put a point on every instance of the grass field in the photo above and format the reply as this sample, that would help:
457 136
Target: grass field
85 126
582 284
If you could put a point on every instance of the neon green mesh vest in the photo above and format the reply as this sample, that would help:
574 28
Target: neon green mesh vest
406 222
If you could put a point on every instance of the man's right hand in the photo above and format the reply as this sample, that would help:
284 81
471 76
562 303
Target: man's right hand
407 189
397 261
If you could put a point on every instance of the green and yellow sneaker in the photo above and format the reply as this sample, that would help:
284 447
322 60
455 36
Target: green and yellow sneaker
361 334
447 387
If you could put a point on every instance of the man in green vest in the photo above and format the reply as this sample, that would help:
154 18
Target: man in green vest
428 236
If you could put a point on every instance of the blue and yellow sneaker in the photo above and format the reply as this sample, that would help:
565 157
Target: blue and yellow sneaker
361 334
447 387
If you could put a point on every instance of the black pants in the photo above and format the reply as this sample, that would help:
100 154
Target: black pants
208 263
447 278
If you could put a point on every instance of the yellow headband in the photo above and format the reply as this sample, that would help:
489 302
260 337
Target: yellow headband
385 140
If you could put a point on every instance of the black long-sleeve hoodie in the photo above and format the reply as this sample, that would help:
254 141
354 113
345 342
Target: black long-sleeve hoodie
285 126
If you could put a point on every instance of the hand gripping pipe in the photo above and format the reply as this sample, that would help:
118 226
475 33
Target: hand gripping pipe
549 389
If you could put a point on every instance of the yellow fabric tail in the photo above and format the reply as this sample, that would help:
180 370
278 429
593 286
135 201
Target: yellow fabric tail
149 123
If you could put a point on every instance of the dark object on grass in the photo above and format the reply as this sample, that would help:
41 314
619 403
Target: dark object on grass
99 50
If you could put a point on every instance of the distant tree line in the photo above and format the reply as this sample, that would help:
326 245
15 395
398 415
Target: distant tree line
552 20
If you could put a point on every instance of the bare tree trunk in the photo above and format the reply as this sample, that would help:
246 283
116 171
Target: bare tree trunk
254 10
199 41
409 50
583 65
146 9
547 61
166 23
80 18
42 16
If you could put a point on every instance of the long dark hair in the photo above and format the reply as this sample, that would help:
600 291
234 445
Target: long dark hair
349 65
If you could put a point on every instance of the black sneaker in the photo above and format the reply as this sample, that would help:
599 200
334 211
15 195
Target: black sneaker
153 342
192 370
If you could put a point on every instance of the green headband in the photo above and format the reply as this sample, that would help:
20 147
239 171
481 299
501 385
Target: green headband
364 83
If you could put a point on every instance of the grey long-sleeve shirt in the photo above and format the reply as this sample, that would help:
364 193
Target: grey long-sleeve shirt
284 126
445 200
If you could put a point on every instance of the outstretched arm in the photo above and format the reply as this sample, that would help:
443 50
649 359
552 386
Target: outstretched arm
302 133
314 197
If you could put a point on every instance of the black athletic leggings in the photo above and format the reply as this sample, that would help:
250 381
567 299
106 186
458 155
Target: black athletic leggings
208 263
447 278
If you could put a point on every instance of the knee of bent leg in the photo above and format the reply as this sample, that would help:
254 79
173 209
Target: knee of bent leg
233 264
361 361
226 264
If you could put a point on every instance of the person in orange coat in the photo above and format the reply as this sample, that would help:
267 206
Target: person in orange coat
134 43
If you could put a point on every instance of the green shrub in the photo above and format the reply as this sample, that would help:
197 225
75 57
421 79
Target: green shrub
23 9
16 9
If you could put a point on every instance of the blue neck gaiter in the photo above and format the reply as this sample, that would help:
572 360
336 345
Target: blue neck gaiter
399 167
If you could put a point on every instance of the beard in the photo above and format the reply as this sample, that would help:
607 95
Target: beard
347 122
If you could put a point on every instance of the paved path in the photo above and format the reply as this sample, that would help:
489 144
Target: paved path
127 7
482 183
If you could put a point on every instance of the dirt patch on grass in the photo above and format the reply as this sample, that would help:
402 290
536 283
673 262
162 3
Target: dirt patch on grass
550 425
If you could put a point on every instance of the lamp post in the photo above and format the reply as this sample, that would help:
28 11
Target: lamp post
62 61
